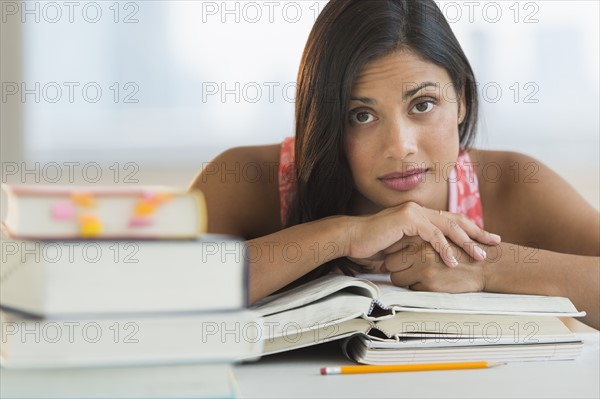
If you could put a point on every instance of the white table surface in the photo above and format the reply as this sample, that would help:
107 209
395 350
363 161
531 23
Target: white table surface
296 374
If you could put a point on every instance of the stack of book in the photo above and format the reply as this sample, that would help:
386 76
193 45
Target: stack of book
116 292
379 323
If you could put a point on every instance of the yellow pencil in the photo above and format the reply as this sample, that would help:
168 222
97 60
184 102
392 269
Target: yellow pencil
389 368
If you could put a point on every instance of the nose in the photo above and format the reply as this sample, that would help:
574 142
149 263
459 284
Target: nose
400 140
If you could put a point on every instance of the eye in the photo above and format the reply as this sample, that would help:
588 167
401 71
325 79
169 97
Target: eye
361 117
423 107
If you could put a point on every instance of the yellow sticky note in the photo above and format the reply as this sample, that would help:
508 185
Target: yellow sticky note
84 199
162 198
144 208
89 226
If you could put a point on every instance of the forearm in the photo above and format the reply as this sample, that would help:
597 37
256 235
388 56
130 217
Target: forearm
282 257
521 270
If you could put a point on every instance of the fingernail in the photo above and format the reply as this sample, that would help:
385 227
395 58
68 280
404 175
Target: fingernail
453 261
496 237
480 252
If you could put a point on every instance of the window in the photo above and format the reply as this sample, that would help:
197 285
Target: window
178 81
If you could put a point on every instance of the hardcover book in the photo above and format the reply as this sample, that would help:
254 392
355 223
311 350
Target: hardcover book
45 212
97 277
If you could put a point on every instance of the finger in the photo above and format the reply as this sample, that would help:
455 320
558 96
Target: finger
471 229
418 287
462 239
459 233
400 245
474 231
398 261
372 265
405 278
377 256
432 234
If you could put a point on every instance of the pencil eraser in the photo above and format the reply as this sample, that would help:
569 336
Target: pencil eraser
323 371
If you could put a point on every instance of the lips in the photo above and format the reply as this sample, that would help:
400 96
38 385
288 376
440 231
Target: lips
404 181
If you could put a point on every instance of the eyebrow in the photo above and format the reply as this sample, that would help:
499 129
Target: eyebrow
407 94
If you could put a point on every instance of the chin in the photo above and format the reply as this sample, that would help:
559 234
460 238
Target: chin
423 199
404 202
375 203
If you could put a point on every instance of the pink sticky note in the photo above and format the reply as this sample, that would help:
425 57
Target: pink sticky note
140 222
63 210
148 195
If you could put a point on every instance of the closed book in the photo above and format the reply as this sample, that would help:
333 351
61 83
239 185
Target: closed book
195 380
49 212
364 350
93 277
166 338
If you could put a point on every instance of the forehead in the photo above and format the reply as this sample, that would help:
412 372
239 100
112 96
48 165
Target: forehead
397 70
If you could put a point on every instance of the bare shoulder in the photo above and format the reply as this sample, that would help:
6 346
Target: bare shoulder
498 171
241 188
528 203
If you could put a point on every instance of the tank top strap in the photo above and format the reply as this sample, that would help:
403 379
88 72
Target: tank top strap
463 190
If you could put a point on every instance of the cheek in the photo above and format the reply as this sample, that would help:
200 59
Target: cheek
353 156
447 129
359 158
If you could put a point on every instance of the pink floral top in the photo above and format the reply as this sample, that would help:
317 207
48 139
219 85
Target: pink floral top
463 191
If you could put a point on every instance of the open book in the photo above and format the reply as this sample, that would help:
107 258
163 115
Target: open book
408 325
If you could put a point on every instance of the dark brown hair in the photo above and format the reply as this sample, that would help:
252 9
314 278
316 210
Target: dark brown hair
347 35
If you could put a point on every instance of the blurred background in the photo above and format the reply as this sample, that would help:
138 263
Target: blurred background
127 92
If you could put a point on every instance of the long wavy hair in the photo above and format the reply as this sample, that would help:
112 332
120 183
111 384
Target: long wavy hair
347 35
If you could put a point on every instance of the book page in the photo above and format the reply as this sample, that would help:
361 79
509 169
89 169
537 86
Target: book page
363 350
324 334
314 290
466 329
403 299
326 312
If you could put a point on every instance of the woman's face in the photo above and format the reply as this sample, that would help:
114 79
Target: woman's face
402 133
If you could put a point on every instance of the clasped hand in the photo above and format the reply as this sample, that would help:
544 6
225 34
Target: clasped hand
421 248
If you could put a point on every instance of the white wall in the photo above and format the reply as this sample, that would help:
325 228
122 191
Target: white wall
180 81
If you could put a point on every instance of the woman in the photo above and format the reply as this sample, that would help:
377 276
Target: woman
381 177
